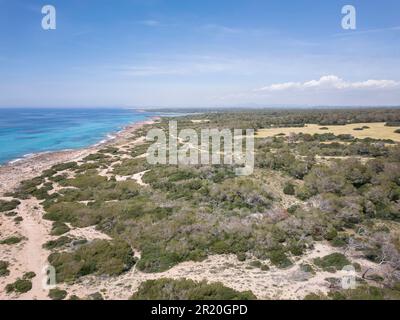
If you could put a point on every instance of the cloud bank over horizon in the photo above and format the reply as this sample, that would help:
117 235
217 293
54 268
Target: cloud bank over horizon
332 82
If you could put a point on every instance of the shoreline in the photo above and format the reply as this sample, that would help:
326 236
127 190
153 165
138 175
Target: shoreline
17 170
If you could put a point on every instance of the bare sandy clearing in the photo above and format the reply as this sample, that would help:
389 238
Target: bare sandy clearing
377 130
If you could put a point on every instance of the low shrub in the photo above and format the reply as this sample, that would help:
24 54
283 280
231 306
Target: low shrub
57 294
19 286
95 296
258 264
279 259
292 209
241 256
11 214
11 240
184 289
307 268
9 205
288 189
57 243
18 220
4 268
59 228
100 257
29 275
332 262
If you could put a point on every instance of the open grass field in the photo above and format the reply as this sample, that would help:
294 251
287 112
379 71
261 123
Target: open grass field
376 130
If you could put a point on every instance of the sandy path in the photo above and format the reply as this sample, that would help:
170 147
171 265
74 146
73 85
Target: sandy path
33 256
28 256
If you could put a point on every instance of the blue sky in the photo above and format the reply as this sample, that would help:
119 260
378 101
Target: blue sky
193 53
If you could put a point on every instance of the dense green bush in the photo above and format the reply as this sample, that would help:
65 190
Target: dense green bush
8 205
332 262
57 243
19 286
289 189
4 268
184 289
11 214
11 240
57 294
279 258
97 257
59 228
29 275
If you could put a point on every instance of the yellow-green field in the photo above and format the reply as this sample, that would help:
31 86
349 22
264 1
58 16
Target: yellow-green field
377 130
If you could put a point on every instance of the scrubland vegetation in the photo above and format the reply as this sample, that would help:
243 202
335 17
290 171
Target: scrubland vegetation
8 205
298 195
98 257
19 286
169 289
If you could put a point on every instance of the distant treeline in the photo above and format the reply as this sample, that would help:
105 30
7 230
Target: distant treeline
261 118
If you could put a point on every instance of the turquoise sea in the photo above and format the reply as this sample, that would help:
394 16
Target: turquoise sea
25 131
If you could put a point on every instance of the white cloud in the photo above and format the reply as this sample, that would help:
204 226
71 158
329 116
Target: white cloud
330 82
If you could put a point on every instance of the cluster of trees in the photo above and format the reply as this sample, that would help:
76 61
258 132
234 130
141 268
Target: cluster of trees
263 118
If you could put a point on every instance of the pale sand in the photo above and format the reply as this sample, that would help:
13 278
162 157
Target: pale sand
137 177
28 255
